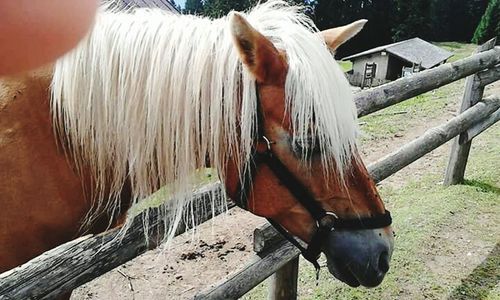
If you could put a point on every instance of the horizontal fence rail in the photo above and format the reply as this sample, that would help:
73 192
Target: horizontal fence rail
394 92
72 264
432 139
475 130
488 76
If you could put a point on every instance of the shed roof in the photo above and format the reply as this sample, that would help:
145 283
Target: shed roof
163 4
413 50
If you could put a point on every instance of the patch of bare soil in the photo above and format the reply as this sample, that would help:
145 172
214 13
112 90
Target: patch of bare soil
194 261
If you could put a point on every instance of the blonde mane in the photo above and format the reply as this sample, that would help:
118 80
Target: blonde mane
148 96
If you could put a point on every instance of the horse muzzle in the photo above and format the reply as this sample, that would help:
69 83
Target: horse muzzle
359 257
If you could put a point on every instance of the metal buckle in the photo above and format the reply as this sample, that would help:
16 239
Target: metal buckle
268 142
328 213
332 214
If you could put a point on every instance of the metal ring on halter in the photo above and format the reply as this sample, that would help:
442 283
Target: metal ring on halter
268 142
330 214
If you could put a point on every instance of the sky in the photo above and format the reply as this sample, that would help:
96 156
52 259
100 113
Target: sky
180 2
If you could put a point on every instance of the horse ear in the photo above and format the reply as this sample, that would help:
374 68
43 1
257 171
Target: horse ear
256 52
335 37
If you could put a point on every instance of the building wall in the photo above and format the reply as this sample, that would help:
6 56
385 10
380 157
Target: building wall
358 69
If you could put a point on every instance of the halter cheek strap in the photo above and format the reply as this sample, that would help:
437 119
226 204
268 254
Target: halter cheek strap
325 221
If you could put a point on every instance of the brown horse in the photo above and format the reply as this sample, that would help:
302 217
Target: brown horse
149 97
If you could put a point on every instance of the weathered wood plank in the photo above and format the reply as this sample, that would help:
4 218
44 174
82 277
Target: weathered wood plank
252 274
488 76
394 92
283 283
459 154
70 265
475 130
264 238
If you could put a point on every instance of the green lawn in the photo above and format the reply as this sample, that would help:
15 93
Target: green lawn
345 65
447 244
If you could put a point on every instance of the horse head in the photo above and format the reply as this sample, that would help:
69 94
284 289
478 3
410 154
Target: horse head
324 197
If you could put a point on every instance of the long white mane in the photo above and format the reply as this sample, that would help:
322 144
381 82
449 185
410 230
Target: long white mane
149 96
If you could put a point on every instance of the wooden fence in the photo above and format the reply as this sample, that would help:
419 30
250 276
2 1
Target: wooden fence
72 264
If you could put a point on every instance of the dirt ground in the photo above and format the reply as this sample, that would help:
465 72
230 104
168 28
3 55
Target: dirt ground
194 261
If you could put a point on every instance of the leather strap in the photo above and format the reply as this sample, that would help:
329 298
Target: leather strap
326 221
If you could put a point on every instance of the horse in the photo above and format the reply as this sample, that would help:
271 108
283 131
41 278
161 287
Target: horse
148 98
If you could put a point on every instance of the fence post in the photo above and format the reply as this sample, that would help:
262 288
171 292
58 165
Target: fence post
283 283
459 154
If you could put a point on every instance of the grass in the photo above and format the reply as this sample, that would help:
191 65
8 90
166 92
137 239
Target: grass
345 65
459 50
396 118
200 178
442 232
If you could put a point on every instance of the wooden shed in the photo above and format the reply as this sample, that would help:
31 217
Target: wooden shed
389 62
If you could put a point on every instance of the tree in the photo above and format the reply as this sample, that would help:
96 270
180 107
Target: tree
441 20
379 13
193 7
464 15
219 8
489 26
382 19
455 20
414 20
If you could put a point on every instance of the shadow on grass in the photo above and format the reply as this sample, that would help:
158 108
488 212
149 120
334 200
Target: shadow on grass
482 186
482 279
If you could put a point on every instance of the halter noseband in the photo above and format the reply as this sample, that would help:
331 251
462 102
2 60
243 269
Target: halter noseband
325 221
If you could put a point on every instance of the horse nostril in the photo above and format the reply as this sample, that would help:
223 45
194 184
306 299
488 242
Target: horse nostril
383 262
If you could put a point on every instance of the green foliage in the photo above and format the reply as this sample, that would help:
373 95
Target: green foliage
388 20
455 20
413 19
219 8
465 15
193 7
438 20
380 14
489 26
396 20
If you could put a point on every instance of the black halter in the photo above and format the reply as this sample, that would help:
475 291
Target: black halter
325 221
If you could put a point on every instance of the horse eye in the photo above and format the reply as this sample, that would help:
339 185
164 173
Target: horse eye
306 147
